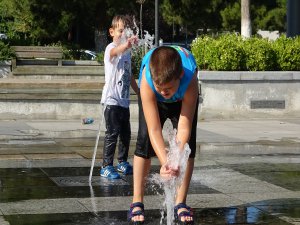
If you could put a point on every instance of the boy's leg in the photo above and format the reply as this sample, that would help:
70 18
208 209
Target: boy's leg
111 134
141 162
125 135
183 189
173 112
141 168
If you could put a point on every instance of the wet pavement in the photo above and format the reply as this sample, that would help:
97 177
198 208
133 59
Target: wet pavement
246 172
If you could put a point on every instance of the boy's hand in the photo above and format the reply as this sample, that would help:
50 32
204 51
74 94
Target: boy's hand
167 172
132 41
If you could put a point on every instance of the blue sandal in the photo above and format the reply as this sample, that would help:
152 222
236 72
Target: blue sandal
132 214
188 213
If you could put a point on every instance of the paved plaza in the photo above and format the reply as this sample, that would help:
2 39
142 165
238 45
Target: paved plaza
246 172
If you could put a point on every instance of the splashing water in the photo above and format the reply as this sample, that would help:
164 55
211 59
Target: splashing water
146 41
177 159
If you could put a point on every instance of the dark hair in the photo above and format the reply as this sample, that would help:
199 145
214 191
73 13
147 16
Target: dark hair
165 65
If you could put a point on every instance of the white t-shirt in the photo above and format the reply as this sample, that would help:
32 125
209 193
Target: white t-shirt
116 90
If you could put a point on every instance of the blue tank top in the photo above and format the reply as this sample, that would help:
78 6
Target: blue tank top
189 67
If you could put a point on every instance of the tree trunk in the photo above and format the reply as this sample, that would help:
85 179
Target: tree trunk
246 29
100 40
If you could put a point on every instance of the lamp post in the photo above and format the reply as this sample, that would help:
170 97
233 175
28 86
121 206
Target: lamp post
293 18
156 24
141 16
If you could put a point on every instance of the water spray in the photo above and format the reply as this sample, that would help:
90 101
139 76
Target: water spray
176 158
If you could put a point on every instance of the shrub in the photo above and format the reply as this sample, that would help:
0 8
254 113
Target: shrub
6 52
223 53
228 53
232 52
288 53
200 48
100 57
260 55
137 55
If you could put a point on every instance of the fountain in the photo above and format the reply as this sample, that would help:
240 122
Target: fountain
177 158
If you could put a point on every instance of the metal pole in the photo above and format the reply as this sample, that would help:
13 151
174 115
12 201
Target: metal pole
293 18
156 24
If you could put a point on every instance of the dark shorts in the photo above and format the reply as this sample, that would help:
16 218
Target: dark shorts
172 111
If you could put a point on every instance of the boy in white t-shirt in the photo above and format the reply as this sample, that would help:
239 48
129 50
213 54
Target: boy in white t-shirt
115 97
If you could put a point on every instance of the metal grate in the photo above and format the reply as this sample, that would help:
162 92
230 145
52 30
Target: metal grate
78 181
268 104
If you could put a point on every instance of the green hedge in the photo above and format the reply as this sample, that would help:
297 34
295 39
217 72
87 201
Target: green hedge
6 52
231 52
288 53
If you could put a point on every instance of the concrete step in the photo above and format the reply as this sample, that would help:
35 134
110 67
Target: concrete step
53 83
52 99
54 89
29 89
40 89
59 72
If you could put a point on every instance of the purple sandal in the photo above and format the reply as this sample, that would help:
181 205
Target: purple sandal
188 213
132 214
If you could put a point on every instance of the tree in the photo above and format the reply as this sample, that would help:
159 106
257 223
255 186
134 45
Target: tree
192 14
77 22
270 16
16 19
265 15
70 21
246 29
231 17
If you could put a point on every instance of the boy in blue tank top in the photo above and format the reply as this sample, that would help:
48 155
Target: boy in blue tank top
168 89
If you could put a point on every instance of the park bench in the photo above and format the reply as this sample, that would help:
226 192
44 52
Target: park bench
38 55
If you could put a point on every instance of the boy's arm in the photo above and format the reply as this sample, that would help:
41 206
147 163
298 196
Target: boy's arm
118 50
134 85
187 112
150 109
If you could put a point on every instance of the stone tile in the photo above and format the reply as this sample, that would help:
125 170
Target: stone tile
265 198
67 162
106 203
52 156
31 142
230 181
286 175
212 201
42 206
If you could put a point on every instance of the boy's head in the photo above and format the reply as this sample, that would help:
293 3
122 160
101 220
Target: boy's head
118 25
165 65
166 70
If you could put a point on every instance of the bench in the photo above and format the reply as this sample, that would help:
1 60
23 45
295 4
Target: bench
37 55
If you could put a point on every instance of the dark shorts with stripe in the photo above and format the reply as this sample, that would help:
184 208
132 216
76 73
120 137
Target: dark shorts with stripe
166 111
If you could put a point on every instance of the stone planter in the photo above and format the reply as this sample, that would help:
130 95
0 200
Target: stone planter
5 68
231 95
